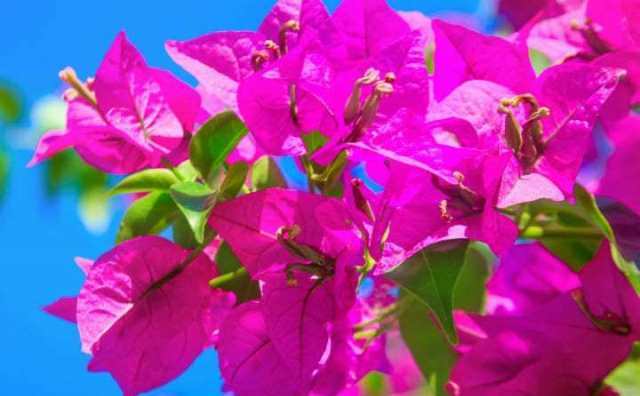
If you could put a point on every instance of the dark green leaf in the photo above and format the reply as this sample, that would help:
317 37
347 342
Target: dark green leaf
314 141
266 173
539 61
146 181
575 252
148 215
429 347
10 105
431 275
182 233
195 202
470 289
233 180
242 286
587 203
214 141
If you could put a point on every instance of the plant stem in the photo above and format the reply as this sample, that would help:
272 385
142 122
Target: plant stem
222 279
537 232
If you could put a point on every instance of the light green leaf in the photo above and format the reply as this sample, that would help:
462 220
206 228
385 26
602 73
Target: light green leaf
195 202
148 215
214 141
145 181
429 347
431 275
539 61
313 141
234 180
429 57
266 173
187 171
241 284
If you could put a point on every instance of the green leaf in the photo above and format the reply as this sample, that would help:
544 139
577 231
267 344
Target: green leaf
470 290
4 172
241 283
266 173
564 229
375 384
587 203
148 215
234 180
214 141
182 233
195 201
429 347
313 141
10 105
626 378
431 275
539 61
429 57
145 181
187 171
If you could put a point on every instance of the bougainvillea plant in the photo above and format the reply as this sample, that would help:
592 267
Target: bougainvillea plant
461 230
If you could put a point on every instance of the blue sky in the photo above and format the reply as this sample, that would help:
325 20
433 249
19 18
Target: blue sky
39 238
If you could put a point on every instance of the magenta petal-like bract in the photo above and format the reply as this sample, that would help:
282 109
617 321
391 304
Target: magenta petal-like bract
561 340
249 362
297 313
250 224
144 312
462 55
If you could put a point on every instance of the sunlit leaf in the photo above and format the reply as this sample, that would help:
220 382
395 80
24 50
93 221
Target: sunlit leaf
233 180
148 215
214 141
195 201
146 181
266 173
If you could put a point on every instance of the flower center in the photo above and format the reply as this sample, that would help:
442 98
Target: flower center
526 139
590 35
461 200
273 51
361 114
78 88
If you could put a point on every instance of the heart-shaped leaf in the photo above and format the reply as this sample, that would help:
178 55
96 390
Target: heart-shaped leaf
430 276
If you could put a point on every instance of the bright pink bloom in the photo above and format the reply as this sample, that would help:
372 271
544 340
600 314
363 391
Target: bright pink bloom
620 181
560 341
527 277
254 223
462 55
138 116
145 312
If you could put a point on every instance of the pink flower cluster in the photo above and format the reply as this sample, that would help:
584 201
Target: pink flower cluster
430 151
